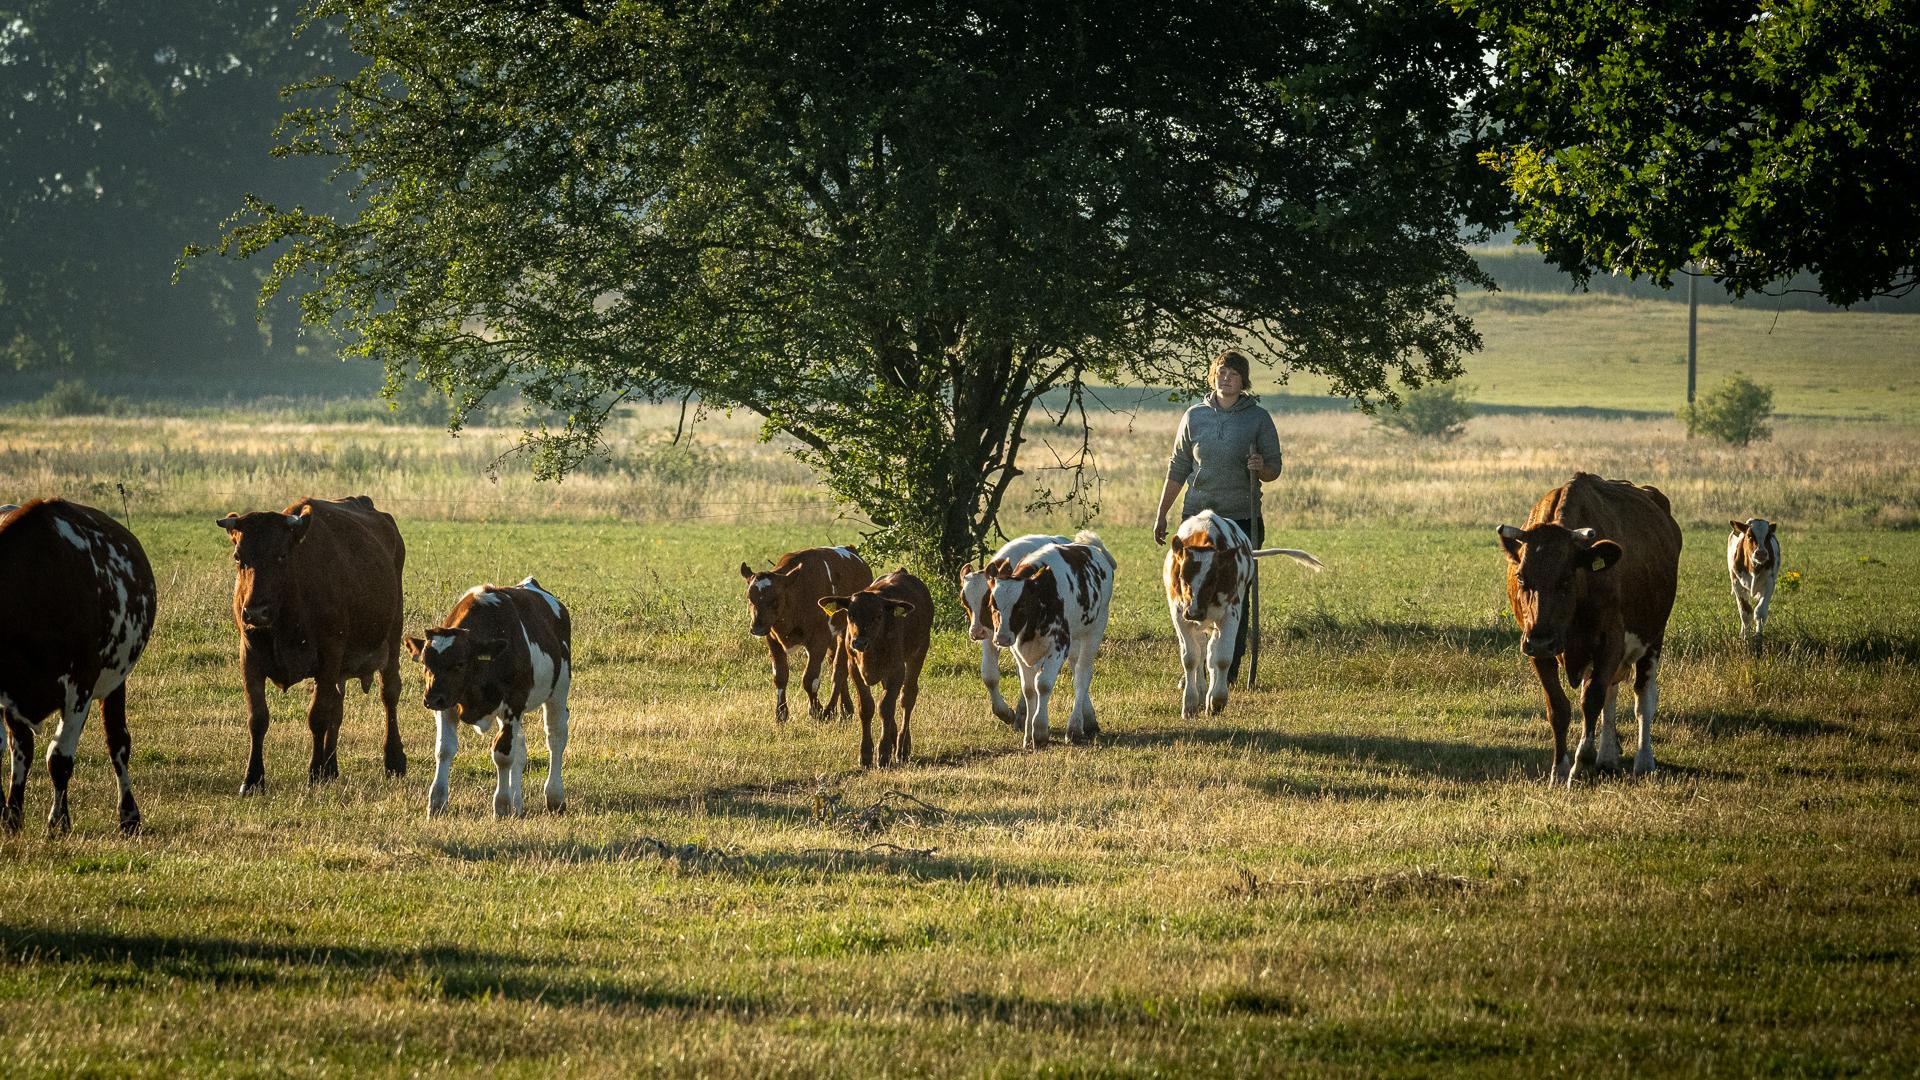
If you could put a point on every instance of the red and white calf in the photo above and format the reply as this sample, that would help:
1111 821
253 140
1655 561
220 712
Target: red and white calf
1209 566
1050 608
974 585
502 654
76 607
1753 562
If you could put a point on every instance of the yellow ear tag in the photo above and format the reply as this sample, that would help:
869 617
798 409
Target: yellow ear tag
1599 564
488 657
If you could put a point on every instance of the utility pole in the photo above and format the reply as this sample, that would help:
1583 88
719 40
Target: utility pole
1693 328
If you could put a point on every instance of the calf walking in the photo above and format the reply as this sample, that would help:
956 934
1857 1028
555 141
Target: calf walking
886 631
1753 562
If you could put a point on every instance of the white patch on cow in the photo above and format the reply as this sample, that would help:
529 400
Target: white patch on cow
762 584
543 671
846 553
1644 704
533 586
1631 650
482 596
70 534
442 642
556 719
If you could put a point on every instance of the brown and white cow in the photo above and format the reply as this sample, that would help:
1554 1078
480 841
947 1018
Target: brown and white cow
500 654
1208 568
1050 608
785 602
887 629
317 596
974 586
76 608
1753 562
1591 579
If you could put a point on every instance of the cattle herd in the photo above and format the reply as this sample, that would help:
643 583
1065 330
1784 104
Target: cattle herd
317 596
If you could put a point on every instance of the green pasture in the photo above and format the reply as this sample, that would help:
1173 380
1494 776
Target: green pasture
1357 869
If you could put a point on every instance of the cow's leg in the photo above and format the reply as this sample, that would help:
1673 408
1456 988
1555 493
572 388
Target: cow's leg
113 719
1593 701
394 754
555 715
254 682
1559 715
1046 674
1745 607
1193 666
446 727
1220 659
1607 756
509 757
20 736
779 654
1646 695
1761 604
990 678
909 694
810 678
1080 725
1033 704
889 728
60 751
841 699
323 719
866 722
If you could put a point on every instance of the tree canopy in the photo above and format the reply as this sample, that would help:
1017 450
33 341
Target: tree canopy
128 130
1754 138
890 227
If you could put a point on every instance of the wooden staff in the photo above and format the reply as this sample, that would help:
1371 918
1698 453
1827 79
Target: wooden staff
1253 589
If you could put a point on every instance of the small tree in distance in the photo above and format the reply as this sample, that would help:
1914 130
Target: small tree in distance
1437 411
1735 412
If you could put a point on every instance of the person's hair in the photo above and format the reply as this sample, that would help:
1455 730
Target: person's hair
1235 359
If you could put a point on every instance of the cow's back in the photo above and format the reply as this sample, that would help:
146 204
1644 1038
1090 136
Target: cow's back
348 570
1640 519
824 571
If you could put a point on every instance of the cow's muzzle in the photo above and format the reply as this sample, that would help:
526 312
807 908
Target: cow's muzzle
1541 645
1191 614
435 700
860 644
258 617
979 633
1003 640
758 631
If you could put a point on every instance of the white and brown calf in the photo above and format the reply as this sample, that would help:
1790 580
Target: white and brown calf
1050 608
1209 565
1753 562
974 586
501 654
76 608
785 603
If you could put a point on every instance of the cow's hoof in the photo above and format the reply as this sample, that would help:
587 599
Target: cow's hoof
130 821
556 807
780 713
1079 738
58 823
10 819
1643 765
1216 706
256 786
397 765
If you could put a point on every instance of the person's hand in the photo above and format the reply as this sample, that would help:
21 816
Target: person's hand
1160 529
1256 464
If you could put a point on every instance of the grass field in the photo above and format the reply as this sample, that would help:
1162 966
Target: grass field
1356 870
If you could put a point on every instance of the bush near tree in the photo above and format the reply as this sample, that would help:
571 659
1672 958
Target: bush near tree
1735 412
1437 411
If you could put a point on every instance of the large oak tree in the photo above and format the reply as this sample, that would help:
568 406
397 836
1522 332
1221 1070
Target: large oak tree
889 227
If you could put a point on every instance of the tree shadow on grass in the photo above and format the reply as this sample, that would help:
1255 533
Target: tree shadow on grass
1731 723
158 960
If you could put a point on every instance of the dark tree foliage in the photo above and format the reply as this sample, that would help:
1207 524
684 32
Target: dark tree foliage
1756 138
128 130
890 227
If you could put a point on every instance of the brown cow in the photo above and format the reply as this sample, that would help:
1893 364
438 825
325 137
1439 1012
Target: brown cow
317 596
1592 579
888 628
785 602
500 654
76 608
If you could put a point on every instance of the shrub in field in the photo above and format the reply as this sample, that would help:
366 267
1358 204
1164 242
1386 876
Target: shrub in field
73 397
1735 412
1434 411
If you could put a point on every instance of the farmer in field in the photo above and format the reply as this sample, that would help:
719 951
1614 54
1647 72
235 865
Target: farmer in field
1225 448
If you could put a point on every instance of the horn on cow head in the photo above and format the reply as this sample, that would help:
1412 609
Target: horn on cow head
300 522
1585 536
1510 540
230 523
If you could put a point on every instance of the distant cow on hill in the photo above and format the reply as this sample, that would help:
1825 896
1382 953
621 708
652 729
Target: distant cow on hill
1209 565
1753 562
785 603
1050 608
317 596
500 654
1591 579
887 631
76 608
974 586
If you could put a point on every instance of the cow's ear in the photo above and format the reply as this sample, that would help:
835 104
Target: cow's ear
416 647
833 605
1174 542
1510 541
900 608
1738 526
746 571
1603 554
964 572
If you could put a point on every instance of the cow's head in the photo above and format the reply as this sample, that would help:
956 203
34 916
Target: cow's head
1550 566
868 616
1753 535
464 672
975 587
1011 595
263 547
766 593
1200 574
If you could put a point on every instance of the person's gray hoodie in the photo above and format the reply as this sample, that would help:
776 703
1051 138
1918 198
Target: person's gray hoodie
1210 456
